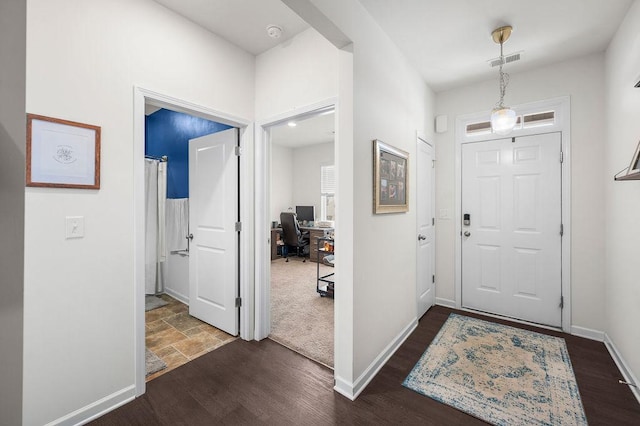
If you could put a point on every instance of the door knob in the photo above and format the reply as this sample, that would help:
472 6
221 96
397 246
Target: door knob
190 237
467 233
421 237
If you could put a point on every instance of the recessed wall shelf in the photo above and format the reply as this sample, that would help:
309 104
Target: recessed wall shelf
633 171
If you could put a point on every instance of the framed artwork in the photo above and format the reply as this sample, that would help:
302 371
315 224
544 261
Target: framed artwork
390 178
62 154
634 167
633 171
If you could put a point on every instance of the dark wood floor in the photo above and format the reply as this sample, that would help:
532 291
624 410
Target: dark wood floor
265 383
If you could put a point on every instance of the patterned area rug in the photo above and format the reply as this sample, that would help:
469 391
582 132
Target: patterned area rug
500 374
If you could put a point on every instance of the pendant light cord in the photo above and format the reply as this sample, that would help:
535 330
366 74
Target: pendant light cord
504 80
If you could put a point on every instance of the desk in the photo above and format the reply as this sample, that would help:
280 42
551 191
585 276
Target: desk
314 233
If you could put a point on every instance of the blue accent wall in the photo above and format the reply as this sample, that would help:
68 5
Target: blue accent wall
168 133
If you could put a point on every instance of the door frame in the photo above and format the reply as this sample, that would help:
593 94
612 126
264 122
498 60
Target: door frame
263 208
144 96
562 125
421 138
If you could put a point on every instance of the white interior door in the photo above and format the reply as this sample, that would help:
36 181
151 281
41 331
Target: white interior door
425 277
511 248
213 213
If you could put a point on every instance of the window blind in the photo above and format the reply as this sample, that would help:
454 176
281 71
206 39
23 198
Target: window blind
327 180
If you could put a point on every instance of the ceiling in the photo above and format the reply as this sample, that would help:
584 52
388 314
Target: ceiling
448 41
242 22
310 130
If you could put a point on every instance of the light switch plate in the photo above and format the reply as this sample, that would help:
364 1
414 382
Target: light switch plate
444 214
74 227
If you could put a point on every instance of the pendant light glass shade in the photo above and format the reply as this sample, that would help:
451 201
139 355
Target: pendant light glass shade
503 120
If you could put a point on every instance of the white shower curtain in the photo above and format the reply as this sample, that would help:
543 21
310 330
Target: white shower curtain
155 180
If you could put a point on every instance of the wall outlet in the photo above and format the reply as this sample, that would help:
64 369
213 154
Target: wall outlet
74 227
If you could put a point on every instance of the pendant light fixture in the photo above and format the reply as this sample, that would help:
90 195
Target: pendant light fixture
503 119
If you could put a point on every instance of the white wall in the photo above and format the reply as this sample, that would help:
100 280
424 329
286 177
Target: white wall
281 194
295 74
83 60
306 173
390 102
622 199
583 80
295 176
12 177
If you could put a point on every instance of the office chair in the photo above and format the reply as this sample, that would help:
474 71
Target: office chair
292 236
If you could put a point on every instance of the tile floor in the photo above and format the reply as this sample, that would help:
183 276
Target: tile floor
177 338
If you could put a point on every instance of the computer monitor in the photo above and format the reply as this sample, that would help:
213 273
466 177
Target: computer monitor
305 213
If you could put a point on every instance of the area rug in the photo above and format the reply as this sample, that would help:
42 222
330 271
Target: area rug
500 374
153 363
153 302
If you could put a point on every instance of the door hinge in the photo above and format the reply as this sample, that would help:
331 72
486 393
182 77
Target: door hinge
561 157
433 221
238 151
238 302
433 279
238 226
561 229
433 164
561 302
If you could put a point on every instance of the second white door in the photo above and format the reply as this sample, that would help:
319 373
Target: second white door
425 277
511 237
213 213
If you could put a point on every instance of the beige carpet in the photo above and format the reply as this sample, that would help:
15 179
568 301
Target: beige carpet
300 319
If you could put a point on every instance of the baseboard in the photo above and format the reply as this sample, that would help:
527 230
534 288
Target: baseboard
446 303
587 333
626 372
178 296
98 408
352 390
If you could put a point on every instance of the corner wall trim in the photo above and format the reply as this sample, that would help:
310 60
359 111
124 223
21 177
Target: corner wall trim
587 333
352 390
98 408
179 296
446 303
626 372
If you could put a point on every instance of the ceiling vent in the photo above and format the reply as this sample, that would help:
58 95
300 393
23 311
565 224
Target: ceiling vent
512 57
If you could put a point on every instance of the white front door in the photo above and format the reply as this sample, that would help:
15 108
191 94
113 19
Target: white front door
213 213
425 277
511 246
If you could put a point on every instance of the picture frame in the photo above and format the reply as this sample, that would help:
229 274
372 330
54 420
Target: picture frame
634 167
62 153
391 178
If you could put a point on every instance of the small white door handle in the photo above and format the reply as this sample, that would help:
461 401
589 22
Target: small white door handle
421 237
467 233
190 237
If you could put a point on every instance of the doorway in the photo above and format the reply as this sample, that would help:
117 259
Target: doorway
519 232
212 151
425 276
296 308
191 262
512 239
